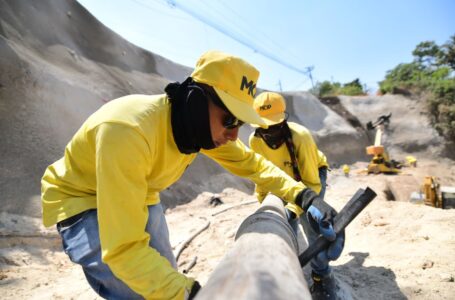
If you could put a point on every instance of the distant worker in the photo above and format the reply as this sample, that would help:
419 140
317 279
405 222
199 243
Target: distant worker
103 194
411 160
291 147
346 170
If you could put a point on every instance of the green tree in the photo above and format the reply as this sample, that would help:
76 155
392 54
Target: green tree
403 76
448 52
432 72
327 88
353 88
441 104
427 53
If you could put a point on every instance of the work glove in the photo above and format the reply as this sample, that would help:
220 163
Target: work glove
194 290
320 217
323 178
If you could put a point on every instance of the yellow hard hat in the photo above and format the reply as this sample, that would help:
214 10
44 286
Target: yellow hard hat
234 80
271 107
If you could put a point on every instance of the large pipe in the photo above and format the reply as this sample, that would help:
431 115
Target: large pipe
263 264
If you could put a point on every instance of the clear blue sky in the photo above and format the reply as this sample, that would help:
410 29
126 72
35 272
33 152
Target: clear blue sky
342 40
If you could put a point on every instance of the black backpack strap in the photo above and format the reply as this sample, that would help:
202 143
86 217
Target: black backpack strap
291 150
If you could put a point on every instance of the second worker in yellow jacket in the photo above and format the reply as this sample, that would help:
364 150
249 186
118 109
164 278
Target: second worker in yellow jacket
291 147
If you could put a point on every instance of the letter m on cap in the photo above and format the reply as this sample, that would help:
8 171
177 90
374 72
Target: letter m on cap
249 85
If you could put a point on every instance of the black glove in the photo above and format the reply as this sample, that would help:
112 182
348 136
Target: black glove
305 198
320 214
194 289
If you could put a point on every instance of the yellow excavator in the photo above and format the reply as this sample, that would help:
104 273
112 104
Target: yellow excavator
380 163
432 192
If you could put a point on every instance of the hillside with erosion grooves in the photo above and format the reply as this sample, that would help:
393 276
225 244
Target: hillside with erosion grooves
59 64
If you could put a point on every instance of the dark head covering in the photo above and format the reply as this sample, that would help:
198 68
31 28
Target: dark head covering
190 116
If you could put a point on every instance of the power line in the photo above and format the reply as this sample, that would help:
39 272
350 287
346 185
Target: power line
155 9
244 41
222 20
233 25
255 32
300 84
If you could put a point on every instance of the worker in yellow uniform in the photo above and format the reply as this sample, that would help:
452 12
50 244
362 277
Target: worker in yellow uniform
103 194
291 147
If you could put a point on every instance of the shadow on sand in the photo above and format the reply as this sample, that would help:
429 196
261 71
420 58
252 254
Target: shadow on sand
368 282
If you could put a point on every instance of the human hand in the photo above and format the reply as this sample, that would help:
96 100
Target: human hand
194 290
320 216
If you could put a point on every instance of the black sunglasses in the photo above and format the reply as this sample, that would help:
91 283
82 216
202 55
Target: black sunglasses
231 122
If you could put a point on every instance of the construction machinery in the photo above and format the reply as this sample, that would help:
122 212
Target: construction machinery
380 163
433 194
431 191
437 195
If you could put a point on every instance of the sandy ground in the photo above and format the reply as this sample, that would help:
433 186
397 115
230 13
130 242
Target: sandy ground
394 249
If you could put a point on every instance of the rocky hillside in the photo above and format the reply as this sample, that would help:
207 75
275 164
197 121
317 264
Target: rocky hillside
59 64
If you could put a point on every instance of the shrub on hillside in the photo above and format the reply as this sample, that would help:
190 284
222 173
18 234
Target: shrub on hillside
441 105
327 89
404 76
353 88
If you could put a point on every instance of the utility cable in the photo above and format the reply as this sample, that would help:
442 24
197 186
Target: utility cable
240 39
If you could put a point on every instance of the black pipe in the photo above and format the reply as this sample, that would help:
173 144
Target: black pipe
357 203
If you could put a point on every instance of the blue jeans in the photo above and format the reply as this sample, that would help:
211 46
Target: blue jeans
81 242
319 267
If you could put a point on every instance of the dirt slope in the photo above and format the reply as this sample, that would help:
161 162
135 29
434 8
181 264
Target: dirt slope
59 64
409 128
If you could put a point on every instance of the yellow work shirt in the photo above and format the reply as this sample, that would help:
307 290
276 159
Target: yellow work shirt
118 162
309 159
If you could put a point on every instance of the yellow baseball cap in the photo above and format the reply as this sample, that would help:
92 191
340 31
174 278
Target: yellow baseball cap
234 80
271 107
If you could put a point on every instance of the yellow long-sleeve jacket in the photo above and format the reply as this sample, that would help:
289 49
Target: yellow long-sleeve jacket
309 159
118 162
